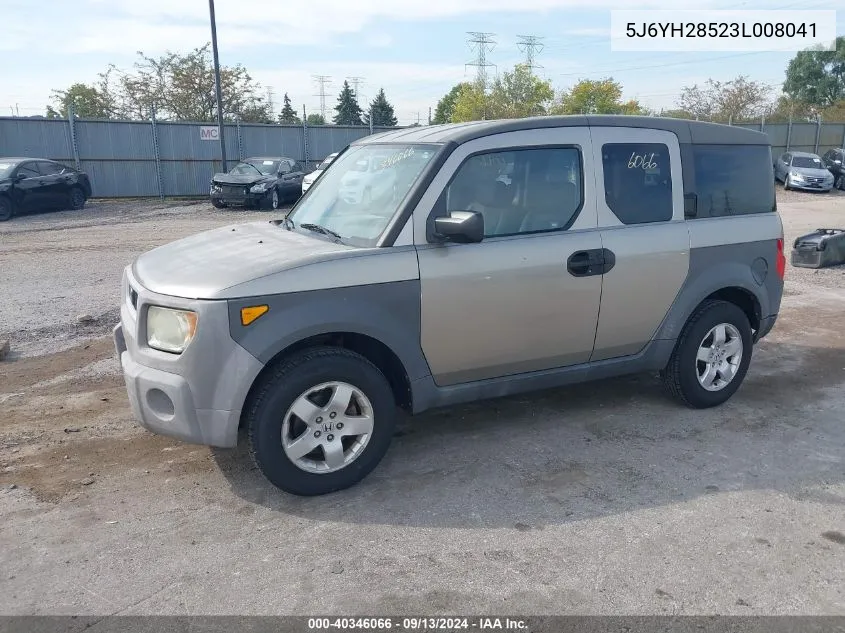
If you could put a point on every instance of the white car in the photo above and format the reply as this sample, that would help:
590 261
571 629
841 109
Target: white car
367 180
310 178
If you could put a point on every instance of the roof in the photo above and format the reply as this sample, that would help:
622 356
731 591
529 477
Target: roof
267 158
20 159
687 131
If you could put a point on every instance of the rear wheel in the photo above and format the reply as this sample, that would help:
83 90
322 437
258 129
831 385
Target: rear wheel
5 209
321 421
712 356
839 183
76 199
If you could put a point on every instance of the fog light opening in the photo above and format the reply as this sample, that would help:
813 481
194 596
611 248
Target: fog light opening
161 404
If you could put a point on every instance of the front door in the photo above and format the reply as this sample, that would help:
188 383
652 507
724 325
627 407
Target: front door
525 298
28 191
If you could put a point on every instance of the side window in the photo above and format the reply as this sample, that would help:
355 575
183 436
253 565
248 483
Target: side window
787 158
48 169
28 170
520 191
733 180
638 182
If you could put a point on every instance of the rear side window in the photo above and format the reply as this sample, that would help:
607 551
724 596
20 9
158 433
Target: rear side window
49 169
638 181
733 180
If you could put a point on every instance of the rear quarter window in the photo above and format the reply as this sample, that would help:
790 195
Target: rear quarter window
733 180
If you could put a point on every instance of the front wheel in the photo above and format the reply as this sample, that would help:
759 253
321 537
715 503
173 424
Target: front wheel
786 183
711 357
5 209
273 199
321 421
217 204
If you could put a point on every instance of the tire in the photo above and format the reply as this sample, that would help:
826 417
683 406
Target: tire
274 200
786 183
681 375
6 212
271 422
76 199
839 183
217 204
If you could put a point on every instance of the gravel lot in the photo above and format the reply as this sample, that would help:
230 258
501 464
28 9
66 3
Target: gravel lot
600 499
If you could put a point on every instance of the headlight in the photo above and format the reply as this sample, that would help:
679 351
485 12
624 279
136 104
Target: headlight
170 330
307 180
796 175
260 188
216 188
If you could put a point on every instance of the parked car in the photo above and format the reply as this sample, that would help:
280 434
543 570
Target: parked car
264 181
38 184
834 160
660 249
803 170
367 179
309 179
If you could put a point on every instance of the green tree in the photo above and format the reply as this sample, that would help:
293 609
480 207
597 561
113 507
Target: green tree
446 105
513 95
347 108
817 77
737 100
288 114
89 102
182 87
315 119
601 96
381 111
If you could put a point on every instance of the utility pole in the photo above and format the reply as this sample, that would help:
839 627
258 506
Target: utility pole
531 46
355 81
429 115
217 87
322 82
483 43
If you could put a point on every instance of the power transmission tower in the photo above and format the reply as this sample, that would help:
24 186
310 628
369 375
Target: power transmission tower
483 43
322 82
355 81
531 46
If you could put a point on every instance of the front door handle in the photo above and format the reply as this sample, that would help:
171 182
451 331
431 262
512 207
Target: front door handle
596 261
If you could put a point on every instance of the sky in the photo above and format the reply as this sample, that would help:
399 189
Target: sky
414 50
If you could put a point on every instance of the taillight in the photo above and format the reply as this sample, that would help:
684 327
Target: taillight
781 261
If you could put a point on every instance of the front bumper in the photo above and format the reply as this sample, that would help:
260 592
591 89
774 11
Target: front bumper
804 186
241 199
196 396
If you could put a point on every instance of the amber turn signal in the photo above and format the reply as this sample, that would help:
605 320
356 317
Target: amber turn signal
250 314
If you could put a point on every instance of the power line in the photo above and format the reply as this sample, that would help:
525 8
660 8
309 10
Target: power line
531 46
322 82
483 44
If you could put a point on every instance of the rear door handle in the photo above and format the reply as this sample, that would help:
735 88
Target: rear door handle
597 261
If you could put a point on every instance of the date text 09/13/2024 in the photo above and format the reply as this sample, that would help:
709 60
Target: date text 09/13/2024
419 624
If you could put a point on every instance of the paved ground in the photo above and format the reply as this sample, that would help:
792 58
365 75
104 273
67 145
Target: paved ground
598 499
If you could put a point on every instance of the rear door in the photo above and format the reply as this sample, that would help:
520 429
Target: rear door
641 217
525 298
54 187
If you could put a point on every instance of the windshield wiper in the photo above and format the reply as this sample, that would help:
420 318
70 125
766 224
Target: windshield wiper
321 229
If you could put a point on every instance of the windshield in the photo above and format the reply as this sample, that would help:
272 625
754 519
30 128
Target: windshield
809 162
6 169
326 162
253 167
360 194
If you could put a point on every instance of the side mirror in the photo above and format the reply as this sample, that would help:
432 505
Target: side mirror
20 177
464 227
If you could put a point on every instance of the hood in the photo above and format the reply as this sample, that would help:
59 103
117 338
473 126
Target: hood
241 179
813 172
205 265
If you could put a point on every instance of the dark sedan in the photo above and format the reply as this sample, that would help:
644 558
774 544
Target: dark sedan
258 182
37 184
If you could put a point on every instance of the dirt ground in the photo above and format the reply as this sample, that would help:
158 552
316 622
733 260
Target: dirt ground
604 498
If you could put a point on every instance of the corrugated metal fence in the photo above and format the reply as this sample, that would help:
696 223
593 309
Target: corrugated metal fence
147 158
157 158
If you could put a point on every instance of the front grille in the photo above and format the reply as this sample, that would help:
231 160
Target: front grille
235 190
813 180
